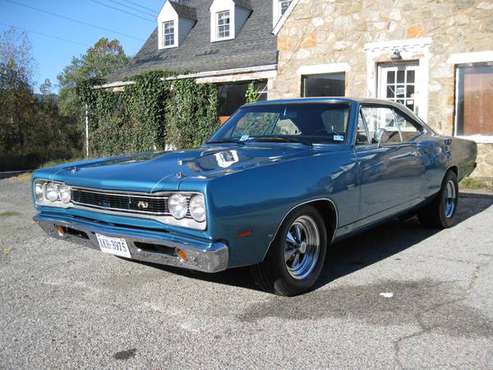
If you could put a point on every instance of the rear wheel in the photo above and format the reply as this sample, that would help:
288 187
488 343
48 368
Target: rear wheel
440 213
296 257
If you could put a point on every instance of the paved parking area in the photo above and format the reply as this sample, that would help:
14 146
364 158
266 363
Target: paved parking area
398 296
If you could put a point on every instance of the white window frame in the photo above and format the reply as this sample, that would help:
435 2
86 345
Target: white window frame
469 58
165 46
229 24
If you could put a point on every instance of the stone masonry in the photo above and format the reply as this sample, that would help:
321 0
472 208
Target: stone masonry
320 32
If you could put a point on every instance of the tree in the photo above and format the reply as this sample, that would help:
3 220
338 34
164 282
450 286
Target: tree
31 130
100 60
15 54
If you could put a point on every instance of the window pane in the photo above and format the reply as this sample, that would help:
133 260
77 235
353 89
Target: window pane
390 92
408 130
381 125
410 76
362 134
223 24
331 84
400 91
410 91
169 33
400 76
390 77
474 99
232 96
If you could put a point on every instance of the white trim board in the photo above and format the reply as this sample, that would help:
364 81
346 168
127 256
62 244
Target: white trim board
398 44
472 57
323 68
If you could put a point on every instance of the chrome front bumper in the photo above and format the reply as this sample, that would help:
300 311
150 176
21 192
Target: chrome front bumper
147 246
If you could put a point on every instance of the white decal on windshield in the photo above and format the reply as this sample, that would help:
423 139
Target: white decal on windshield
338 137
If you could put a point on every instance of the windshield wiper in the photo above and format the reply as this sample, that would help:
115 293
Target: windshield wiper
283 139
226 141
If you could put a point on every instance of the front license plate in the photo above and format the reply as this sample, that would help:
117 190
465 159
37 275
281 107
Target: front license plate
116 246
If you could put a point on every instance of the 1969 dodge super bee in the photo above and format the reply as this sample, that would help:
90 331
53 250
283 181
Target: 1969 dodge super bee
273 188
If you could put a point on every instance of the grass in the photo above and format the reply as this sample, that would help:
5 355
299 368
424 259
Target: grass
474 183
9 214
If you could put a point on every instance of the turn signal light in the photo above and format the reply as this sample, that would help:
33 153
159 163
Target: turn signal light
182 255
60 231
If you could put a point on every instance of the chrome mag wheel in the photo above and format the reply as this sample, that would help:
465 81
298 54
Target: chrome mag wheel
302 247
451 199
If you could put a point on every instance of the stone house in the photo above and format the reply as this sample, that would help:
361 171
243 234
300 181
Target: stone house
434 56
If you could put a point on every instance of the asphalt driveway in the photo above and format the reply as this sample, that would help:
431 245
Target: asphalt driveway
398 296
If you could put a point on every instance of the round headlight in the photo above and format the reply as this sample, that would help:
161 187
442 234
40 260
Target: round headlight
38 191
51 192
197 208
178 206
65 194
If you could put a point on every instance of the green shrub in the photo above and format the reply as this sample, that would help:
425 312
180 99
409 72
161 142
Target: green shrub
149 114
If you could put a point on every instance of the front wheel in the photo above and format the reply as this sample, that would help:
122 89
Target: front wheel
440 213
296 257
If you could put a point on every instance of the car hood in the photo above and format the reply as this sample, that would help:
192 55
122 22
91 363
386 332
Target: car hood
150 172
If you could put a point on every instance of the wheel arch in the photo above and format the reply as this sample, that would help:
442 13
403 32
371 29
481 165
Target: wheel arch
453 168
327 209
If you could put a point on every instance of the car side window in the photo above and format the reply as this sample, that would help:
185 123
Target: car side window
409 130
362 136
382 126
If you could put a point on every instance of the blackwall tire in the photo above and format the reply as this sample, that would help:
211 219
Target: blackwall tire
440 213
297 255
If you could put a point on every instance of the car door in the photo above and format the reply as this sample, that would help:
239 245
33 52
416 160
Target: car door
390 165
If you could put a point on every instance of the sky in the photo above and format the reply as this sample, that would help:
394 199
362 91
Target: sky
61 29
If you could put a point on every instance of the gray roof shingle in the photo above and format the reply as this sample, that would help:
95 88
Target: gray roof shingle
184 11
254 45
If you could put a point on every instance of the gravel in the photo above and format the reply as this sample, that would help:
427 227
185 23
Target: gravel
397 296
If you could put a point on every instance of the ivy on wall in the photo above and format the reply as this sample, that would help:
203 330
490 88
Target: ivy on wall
149 114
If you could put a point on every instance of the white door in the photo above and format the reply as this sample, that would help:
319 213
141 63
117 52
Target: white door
399 82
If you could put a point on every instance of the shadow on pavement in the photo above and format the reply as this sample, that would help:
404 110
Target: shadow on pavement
356 252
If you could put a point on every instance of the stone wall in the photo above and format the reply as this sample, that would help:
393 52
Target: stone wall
339 31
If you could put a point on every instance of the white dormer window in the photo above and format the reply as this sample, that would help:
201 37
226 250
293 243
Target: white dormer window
279 8
175 21
227 18
223 25
169 33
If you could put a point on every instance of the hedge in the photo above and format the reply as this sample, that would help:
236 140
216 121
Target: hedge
149 115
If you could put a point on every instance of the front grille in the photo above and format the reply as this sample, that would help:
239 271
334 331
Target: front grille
123 202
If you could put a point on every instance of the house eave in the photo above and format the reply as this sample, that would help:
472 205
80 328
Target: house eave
224 72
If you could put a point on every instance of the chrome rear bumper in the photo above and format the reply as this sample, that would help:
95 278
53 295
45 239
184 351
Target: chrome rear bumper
146 246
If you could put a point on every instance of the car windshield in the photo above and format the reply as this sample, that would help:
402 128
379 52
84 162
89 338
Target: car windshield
307 123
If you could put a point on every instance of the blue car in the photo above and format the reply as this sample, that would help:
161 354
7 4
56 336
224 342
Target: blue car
273 189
